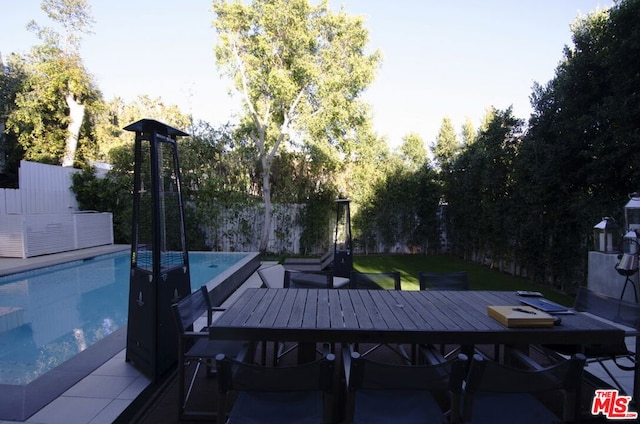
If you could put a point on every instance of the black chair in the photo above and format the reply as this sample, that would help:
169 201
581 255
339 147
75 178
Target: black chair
195 347
614 310
395 393
278 277
313 280
443 280
453 281
496 393
375 280
295 394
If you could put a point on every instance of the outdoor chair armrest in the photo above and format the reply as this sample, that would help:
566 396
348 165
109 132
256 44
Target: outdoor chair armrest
195 334
217 309
210 312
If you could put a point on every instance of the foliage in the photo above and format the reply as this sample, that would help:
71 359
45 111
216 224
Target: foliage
319 211
109 194
479 190
116 114
447 146
12 80
300 70
56 84
413 152
402 212
480 277
580 157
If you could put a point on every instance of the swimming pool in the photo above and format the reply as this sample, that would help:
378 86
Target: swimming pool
50 315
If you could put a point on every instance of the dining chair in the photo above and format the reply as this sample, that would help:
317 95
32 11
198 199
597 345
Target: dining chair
292 394
458 280
277 276
453 281
380 393
313 280
612 309
195 347
375 280
497 393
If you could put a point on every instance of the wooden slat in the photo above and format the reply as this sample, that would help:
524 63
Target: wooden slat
324 315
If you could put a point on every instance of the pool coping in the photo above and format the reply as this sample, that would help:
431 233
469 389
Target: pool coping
19 402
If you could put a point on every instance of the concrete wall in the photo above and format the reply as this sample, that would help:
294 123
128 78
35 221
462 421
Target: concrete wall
603 277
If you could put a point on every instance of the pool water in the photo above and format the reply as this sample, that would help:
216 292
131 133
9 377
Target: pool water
49 315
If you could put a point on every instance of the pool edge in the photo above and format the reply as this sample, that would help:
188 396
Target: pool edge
19 402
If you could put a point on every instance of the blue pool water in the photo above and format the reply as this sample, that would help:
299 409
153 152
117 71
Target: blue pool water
49 315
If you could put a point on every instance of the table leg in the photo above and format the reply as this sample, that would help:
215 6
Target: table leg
636 376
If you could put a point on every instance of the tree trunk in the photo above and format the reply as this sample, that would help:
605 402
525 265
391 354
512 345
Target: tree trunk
3 146
266 195
76 115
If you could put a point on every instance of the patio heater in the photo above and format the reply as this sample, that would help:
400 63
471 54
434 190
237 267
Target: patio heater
342 243
159 255
628 265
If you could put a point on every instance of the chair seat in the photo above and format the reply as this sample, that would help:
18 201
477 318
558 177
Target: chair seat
396 407
205 348
508 408
277 407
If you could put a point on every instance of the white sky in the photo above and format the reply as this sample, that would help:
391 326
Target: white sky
440 58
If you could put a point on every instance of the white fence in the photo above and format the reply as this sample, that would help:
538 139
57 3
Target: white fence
43 189
42 215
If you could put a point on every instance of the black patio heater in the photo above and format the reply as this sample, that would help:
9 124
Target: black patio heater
159 254
342 244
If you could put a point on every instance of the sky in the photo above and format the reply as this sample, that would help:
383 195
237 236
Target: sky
454 58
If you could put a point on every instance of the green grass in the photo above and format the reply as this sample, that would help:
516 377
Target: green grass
480 277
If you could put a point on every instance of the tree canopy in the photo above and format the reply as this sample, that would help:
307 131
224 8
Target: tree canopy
300 69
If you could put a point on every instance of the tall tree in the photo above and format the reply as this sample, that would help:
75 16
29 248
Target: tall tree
300 70
58 88
12 79
413 151
469 132
446 146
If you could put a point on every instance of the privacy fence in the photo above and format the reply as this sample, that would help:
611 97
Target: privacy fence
42 215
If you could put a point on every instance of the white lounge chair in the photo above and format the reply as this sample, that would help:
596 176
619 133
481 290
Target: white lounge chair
310 264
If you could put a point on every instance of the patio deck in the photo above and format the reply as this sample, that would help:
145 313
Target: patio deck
117 392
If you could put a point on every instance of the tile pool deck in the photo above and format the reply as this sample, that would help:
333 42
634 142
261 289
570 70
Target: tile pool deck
103 395
106 393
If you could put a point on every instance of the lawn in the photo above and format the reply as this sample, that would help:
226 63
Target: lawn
480 277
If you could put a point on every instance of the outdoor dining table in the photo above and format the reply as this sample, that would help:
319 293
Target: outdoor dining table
394 316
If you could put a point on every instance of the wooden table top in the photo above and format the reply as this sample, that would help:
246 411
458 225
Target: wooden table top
392 316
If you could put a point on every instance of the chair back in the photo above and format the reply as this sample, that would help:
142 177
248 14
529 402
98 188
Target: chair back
391 392
242 376
272 277
443 280
364 373
190 308
615 310
486 376
375 280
